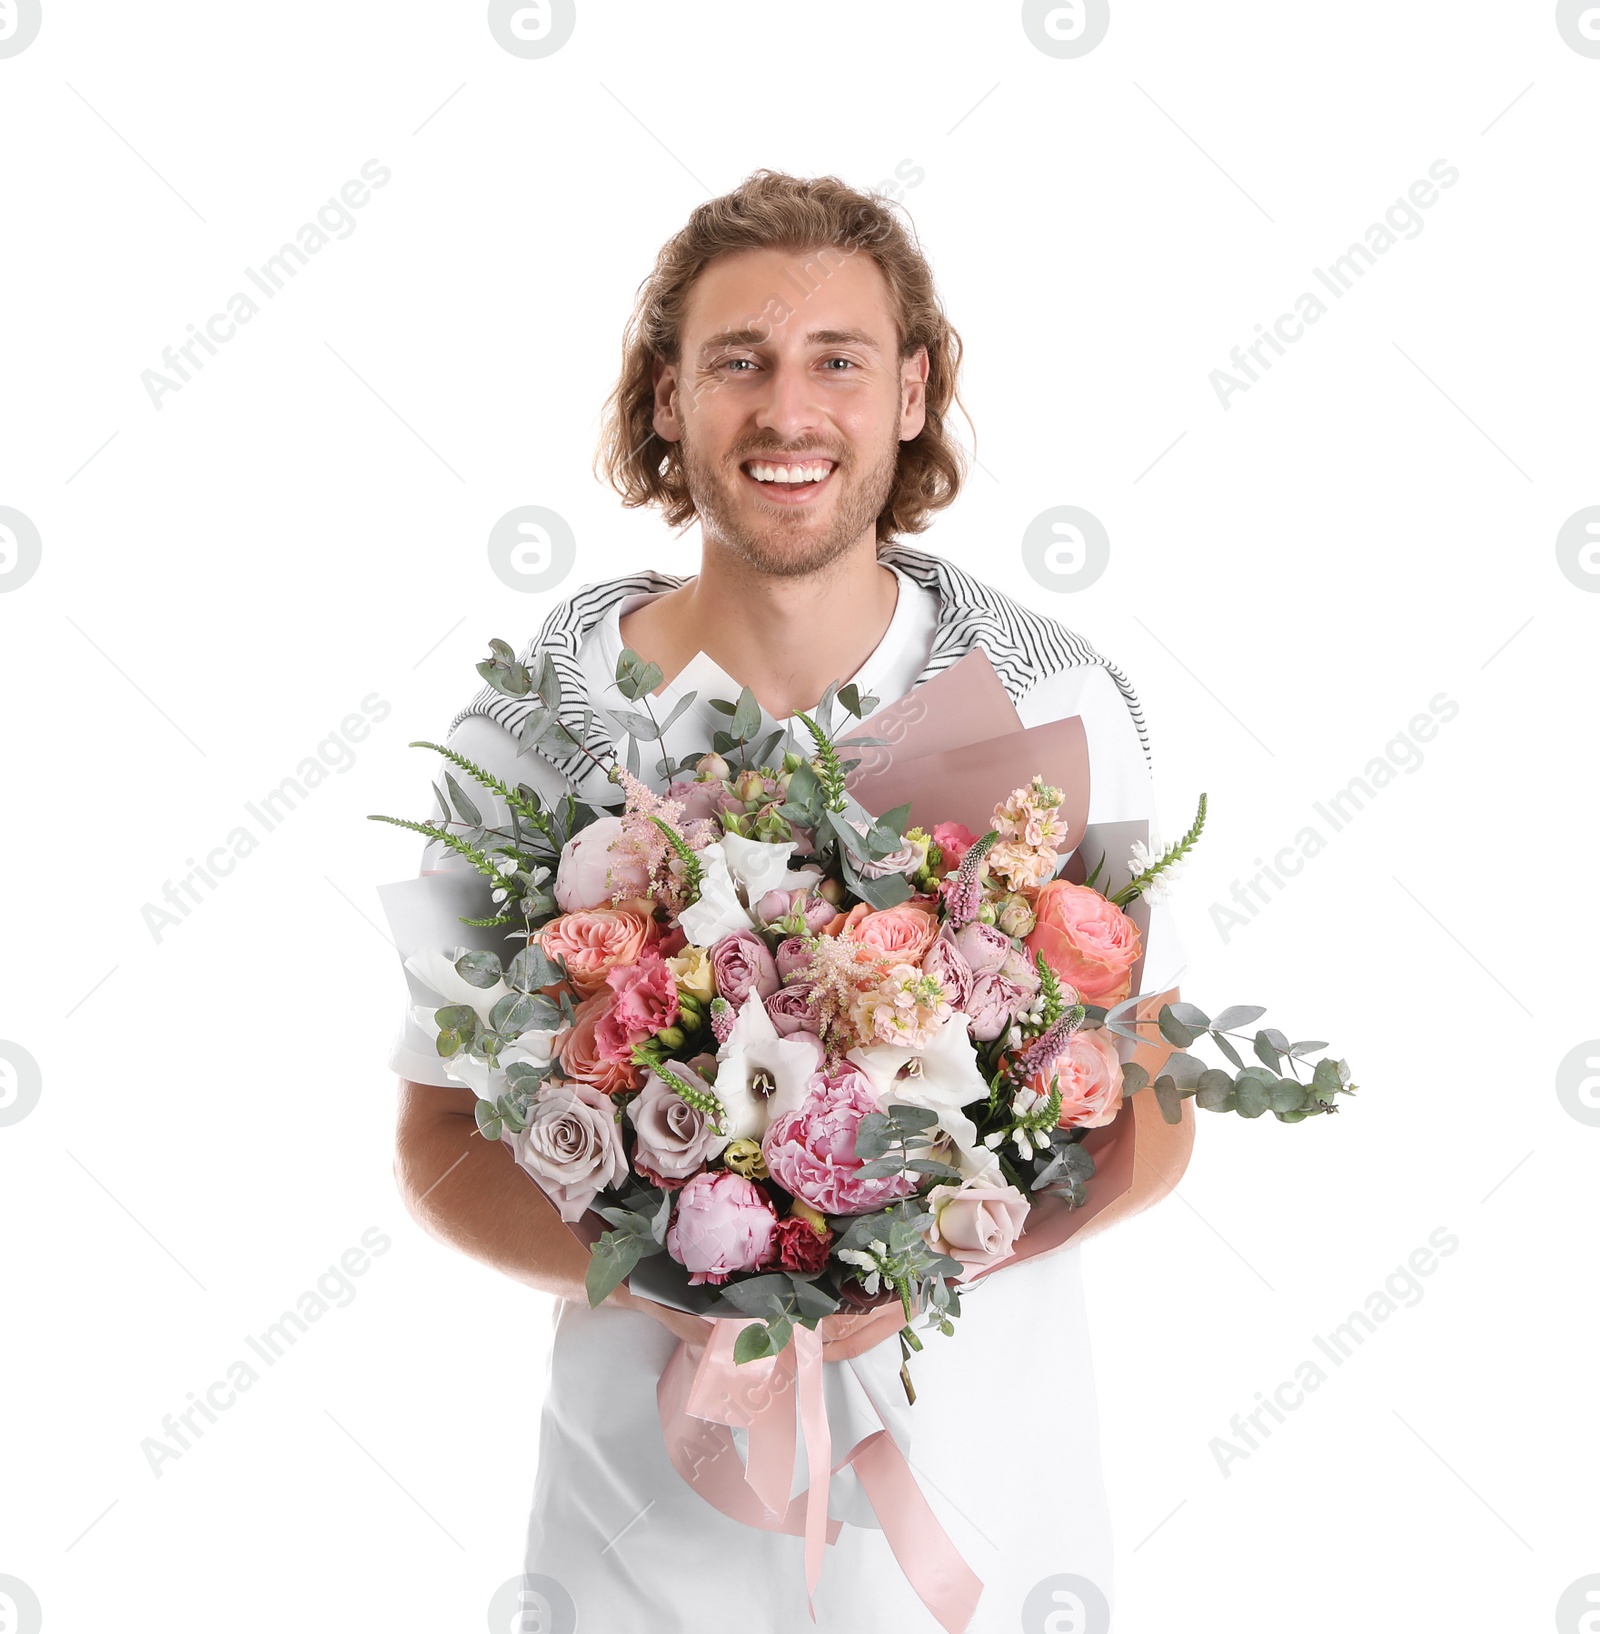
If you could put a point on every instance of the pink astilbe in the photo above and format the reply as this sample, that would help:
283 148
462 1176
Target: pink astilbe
643 842
838 973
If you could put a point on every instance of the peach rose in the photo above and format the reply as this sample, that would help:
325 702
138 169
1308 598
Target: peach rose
847 922
904 932
977 1223
1090 943
578 1049
1089 1071
594 941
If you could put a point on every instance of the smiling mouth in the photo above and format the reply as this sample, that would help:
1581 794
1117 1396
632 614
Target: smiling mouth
791 481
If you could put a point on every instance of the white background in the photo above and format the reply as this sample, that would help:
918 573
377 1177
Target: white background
1292 579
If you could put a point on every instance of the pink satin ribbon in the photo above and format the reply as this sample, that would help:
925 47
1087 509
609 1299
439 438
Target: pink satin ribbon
700 1401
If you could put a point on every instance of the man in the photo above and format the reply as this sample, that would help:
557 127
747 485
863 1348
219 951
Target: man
787 377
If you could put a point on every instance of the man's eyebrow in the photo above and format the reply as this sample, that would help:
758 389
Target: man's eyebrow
817 337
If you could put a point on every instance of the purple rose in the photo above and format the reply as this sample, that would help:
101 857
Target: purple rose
572 1145
675 1140
948 965
793 1008
739 962
994 1004
721 1223
982 946
812 1151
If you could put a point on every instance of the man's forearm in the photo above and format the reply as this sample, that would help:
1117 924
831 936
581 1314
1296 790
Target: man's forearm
468 1192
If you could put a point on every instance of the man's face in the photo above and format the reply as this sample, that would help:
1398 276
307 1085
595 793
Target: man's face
773 379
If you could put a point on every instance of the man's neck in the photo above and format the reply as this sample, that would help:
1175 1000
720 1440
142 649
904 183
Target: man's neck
784 637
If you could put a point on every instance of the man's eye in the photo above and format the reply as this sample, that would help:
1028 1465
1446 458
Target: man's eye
728 362
850 360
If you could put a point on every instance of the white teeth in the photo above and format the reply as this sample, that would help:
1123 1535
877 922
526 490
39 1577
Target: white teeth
789 473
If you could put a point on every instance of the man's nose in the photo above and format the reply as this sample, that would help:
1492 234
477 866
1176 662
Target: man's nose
789 407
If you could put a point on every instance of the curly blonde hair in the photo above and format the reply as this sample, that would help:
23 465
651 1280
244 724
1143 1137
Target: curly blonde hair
771 210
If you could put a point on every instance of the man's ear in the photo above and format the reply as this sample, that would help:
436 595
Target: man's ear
913 394
664 377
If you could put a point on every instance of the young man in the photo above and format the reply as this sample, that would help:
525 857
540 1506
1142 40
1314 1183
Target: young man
788 373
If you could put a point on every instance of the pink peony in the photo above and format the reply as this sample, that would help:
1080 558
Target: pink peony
793 955
739 962
945 961
994 1003
811 1151
721 1223
587 873
982 946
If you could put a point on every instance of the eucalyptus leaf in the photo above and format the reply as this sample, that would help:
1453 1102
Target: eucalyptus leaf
1238 1015
464 807
479 967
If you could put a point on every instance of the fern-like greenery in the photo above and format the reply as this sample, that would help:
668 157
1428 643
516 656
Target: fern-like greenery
685 853
830 773
533 812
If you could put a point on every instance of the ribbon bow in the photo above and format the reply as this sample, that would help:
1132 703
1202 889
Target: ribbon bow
703 1395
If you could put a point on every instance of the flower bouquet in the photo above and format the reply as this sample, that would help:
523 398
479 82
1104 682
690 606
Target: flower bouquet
776 1057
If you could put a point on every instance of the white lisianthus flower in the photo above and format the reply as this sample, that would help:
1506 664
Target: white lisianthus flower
760 1073
943 1076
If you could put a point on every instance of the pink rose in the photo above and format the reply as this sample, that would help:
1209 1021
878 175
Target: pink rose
954 841
739 962
1090 1073
1090 943
982 946
793 1008
902 933
977 1223
572 1145
587 873
811 1151
721 1223
945 962
676 1140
